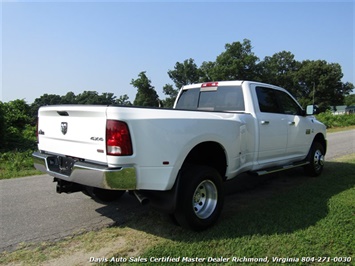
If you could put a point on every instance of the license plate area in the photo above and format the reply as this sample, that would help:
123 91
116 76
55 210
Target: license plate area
61 165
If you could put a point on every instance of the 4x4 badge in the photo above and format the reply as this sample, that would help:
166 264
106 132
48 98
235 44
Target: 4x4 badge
64 127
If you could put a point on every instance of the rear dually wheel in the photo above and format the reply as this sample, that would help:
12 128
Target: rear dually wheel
200 199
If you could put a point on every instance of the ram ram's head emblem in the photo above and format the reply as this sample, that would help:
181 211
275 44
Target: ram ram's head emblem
64 127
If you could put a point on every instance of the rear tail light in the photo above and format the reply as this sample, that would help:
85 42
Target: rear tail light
118 139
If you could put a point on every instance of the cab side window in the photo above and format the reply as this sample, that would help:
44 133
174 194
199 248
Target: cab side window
275 101
267 100
288 105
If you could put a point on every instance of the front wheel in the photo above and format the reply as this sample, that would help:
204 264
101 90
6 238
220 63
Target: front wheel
316 160
200 198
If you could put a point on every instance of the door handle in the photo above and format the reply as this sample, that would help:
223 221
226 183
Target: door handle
265 122
291 123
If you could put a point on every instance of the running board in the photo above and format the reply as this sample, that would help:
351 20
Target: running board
280 168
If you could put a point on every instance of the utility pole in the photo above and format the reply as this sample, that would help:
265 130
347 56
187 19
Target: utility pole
314 91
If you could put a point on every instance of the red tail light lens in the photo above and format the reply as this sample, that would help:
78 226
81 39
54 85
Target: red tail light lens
209 84
118 139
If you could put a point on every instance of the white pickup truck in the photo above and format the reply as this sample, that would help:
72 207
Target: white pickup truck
179 158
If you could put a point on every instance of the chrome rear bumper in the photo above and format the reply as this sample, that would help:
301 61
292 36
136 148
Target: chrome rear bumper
84 173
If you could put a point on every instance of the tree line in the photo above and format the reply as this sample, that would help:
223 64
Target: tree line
309 81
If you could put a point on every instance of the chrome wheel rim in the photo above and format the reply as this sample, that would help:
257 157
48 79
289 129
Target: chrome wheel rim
204 200
318 161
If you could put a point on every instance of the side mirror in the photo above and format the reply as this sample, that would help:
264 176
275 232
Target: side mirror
312 109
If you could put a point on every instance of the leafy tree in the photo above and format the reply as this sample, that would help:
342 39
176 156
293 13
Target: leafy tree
68 98
2 125
236 62
308 81
106 98
45 99
88 97
207 71
183 74
146 95
17 114
169 90
123 100
321 81
280 69
18 124
350 100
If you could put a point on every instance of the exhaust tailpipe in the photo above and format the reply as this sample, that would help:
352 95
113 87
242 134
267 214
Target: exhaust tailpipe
141 198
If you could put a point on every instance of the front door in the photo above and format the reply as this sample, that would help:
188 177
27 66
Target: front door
273 128
299 127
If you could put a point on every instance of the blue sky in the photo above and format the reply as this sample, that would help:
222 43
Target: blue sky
59 46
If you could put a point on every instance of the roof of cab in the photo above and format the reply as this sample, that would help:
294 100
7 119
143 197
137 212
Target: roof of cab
229 83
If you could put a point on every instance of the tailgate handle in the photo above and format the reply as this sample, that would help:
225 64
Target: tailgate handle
63 113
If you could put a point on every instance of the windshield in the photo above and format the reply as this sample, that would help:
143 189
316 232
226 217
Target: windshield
226 98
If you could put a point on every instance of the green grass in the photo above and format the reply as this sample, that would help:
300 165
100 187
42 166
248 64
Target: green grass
302 217
338 129
16 164
315 219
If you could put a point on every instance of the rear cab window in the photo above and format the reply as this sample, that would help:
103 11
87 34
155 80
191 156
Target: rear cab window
219 99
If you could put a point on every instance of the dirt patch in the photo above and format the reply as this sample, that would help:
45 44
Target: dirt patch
130 243
83 257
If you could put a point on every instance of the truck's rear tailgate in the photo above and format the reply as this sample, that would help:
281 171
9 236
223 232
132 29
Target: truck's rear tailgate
77 131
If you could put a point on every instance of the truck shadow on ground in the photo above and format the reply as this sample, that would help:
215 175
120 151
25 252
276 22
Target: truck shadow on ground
279 203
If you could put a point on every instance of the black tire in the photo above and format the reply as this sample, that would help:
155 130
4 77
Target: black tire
200 199
316 160
104 195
